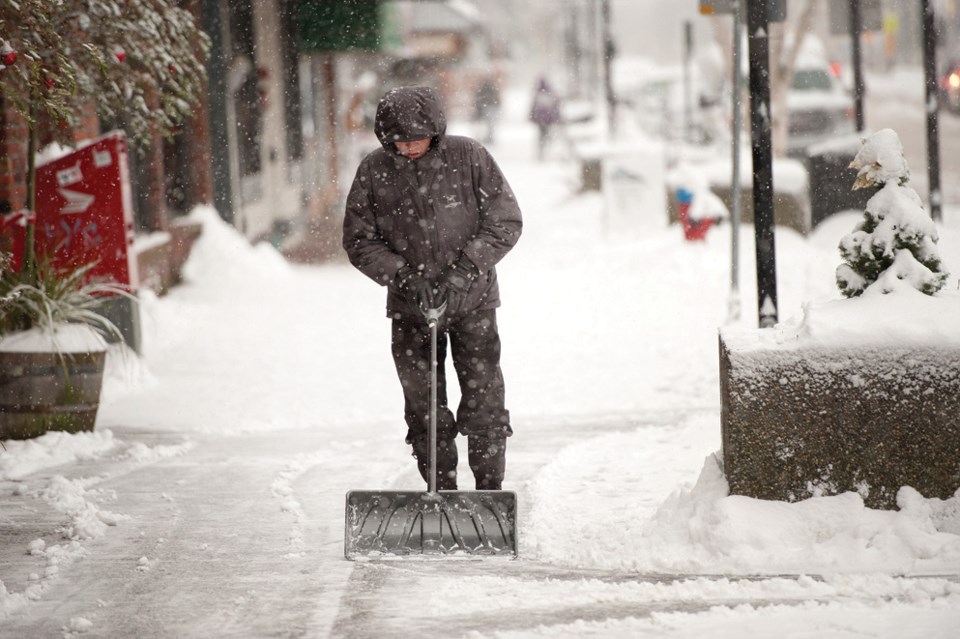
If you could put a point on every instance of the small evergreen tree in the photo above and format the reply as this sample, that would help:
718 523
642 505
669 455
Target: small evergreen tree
895 245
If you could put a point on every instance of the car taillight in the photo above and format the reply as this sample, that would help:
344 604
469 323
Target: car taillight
835 69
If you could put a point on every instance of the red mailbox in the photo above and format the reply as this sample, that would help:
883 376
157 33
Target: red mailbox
85 211
13 236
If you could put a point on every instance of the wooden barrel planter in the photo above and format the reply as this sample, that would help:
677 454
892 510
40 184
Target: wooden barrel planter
40 392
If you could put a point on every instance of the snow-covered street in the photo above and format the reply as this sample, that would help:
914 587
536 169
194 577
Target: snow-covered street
209 502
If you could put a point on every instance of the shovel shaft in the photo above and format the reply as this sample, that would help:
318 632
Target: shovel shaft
433 405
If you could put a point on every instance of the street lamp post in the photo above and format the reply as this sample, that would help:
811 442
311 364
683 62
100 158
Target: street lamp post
758 28
932 108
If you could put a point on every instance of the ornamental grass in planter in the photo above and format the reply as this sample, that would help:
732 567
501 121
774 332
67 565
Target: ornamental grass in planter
52 350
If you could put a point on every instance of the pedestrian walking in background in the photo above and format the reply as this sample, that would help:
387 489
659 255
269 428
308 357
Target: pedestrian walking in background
429 216
545 113
486 107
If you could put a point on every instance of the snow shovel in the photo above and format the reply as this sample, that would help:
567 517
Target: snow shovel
395 523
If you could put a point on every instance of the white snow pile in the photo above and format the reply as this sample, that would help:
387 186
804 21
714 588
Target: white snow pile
704 530
881 161
918 615
143 454
224 257
909 318
80 504
21 458
63 338
10 602
86 520
57 556
80 625
705 204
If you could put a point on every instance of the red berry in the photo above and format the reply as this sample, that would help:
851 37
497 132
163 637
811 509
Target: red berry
8 58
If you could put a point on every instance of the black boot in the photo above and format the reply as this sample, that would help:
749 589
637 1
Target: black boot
446 462
488 460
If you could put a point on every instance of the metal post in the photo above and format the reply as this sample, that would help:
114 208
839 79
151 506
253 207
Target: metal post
687 98
733 306
759 53
933 108
573 51
855 28
599 67
214 21
593 26
607 71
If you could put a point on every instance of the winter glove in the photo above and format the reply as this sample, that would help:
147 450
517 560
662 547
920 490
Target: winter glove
415 288
454 284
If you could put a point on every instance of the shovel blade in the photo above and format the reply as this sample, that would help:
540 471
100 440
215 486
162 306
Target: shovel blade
384 524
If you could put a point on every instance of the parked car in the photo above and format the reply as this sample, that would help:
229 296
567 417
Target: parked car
950 86
819 107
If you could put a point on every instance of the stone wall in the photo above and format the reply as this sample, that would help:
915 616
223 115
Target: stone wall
823 421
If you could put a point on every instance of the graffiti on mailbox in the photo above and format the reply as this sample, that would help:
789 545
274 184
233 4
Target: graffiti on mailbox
74 235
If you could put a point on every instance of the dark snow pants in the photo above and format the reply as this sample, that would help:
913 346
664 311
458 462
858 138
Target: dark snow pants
481 415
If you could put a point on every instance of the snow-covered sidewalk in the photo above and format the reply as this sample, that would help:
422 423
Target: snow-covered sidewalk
209 502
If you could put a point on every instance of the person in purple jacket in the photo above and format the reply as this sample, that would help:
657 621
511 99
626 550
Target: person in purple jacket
545 113
429 216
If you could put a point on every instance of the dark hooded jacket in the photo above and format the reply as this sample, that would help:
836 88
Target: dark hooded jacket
429 211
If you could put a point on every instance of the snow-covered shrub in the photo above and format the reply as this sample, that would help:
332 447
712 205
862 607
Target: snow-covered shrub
138 61
895 245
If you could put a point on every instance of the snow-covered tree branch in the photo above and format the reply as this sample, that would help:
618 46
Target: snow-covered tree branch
141 61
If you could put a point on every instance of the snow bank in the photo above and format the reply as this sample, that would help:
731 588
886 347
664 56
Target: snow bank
72 498
10 602
21 458
222 260
881 160
907 318
704 530
920 618
62 338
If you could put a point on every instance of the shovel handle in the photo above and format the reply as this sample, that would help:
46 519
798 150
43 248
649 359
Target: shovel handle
433 316
433 321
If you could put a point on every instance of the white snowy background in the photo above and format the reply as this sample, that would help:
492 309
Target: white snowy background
609 331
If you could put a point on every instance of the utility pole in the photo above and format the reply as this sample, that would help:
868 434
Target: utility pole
855 27
933 107
758 29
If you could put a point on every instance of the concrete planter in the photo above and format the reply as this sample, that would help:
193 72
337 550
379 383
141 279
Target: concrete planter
819 420
40 392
